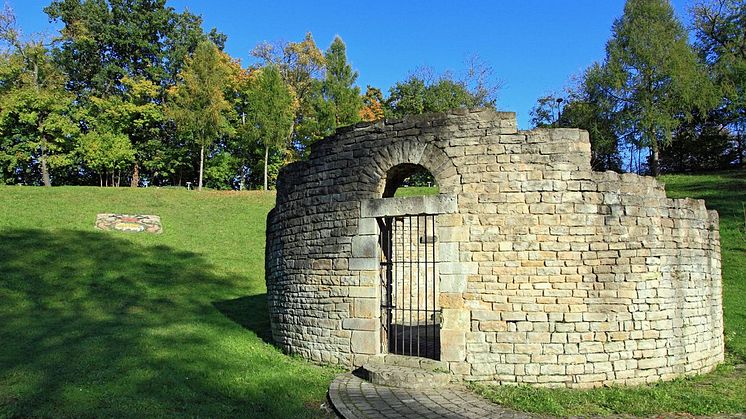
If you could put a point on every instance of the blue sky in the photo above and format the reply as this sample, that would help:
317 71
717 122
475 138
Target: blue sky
534 46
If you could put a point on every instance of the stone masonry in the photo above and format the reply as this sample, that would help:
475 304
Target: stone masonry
549 273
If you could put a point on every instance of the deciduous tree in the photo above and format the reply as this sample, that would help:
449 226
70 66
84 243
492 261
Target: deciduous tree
270 112
422 93
197 103
721 40
373 105
302 66
35 111
652 75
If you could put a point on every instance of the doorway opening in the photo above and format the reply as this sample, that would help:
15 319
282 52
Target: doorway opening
410 311
410 180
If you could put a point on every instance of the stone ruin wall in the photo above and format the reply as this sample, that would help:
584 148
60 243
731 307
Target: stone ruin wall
551 274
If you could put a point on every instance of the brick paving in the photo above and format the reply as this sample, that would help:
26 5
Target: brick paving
354 397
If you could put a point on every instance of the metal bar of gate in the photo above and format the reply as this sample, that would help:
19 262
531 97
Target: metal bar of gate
418 286
427 297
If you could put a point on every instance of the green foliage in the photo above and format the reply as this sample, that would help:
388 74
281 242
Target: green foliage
105 152
301 65
588 107
220 170
701 145
546 112
270 108
102 41
652 75
37 125
338 88
197 104
721 41
120 57
134 114
422 94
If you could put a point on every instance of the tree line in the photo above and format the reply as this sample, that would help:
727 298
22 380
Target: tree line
133 92
658 103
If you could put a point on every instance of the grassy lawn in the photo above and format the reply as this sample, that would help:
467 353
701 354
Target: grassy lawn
722 391
416 190
130 325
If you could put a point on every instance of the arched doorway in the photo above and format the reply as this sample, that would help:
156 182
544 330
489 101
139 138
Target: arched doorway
409 180
410 310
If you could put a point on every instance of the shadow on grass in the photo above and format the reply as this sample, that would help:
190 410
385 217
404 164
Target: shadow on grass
251 312
95 325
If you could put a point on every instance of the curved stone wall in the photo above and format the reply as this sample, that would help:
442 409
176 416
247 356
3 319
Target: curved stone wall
550 273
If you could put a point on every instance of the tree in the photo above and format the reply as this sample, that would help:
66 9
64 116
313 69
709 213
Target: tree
653 76
721 42
102 41
35 111
479 80
197 104
40 126
585 105
106 43
302 66
338 87
107 153
373 103
422 93
701 145
270 111
135 113
546 112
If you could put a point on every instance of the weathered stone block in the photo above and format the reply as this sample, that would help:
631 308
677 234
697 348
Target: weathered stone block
365 246
455 319
365 342
360 324
363 264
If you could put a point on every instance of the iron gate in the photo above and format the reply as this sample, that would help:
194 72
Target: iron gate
410 310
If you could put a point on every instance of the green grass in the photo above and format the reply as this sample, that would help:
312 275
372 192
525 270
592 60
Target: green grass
723 390
138 325
417 190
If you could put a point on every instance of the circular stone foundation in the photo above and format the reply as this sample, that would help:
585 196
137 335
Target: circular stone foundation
542 271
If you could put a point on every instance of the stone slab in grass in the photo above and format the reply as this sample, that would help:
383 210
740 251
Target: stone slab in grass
129 223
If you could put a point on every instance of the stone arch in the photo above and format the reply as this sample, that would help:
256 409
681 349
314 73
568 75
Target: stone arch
397 174
396 162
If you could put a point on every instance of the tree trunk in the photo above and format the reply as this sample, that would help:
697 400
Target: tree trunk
100 180
135 176
266 162
654 155
242 183
44 170
201 166
654 163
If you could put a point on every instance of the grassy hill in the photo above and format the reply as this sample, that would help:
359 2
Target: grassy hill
115 324
131 325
